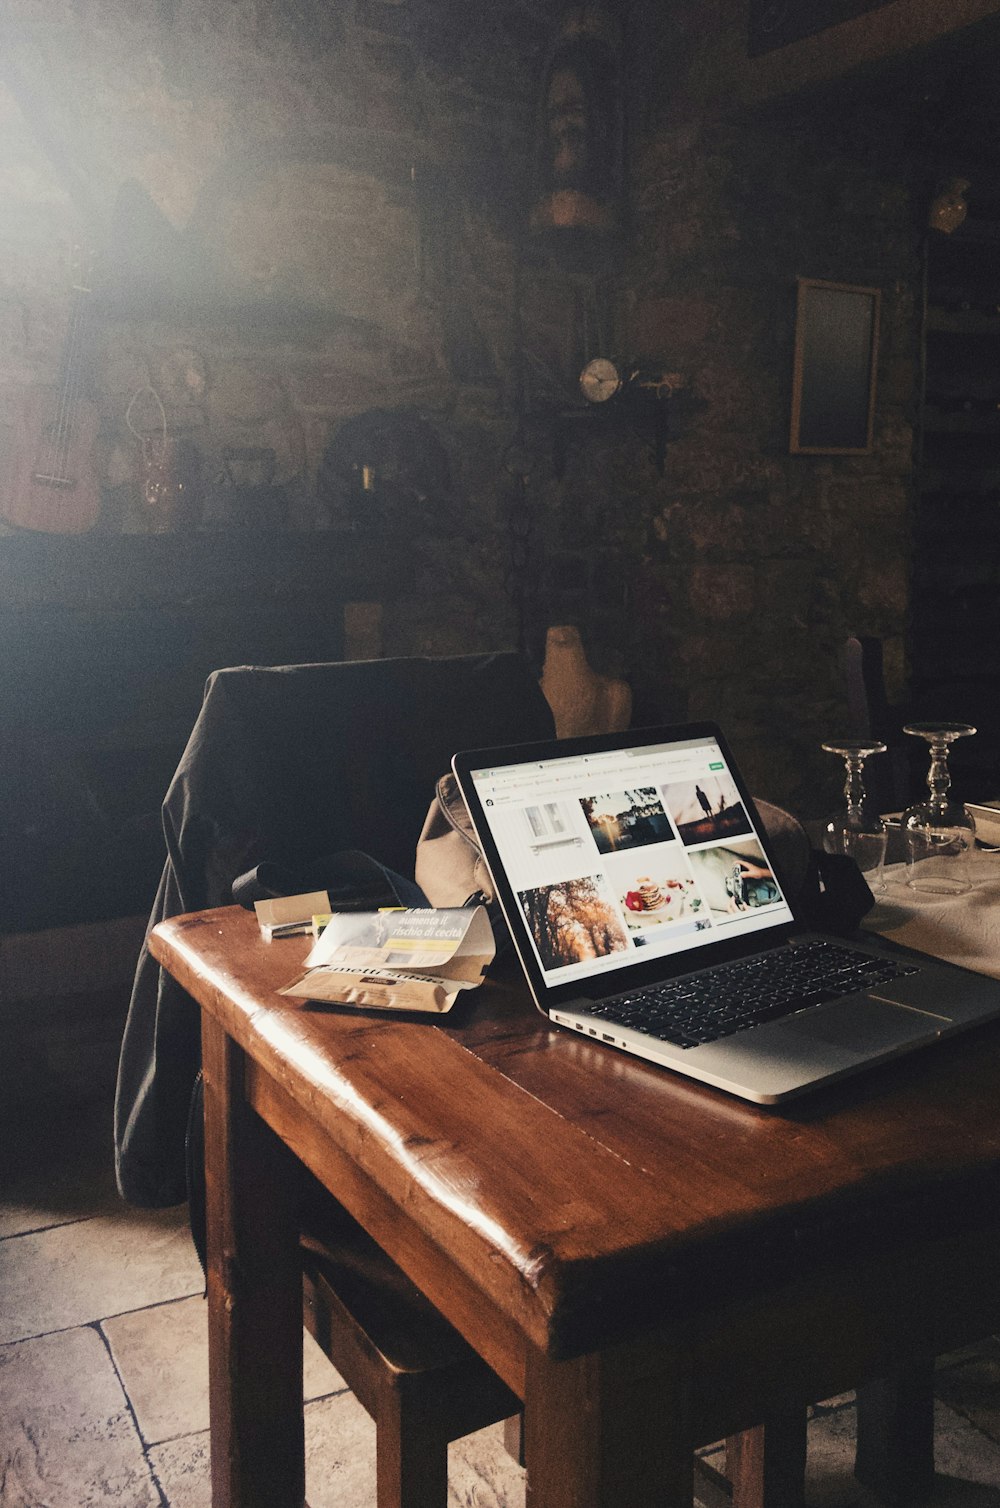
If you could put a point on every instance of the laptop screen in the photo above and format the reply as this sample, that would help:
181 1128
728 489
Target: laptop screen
617 856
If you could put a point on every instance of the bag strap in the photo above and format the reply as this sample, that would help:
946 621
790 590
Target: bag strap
452 806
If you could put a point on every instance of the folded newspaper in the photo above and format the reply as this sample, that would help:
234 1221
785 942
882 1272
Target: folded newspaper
398 960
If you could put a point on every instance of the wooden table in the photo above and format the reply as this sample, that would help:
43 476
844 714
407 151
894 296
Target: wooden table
648 1263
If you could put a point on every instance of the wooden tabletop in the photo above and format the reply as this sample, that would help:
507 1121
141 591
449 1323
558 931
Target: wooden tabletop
586 1194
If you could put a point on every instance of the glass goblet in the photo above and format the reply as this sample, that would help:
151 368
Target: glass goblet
858 831
940 832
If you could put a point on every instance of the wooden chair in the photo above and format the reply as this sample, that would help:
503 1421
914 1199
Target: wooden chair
889 778
413 1373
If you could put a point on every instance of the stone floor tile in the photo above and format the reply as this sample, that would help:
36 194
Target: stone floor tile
340 1459
828 1405
482 1475
830 1480
162 1357
988 1346
74 1274
972 1387
319 1376
181 1467
55 1169
967 1464
67 1439
966 1461
340 1454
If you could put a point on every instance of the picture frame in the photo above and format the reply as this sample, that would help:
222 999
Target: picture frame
833 376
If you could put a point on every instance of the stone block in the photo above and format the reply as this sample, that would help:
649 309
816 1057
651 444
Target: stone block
722 593
883 588
75 1274
161 1353
663 327
66 1434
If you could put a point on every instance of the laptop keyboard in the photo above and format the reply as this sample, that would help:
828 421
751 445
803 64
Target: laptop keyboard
732 997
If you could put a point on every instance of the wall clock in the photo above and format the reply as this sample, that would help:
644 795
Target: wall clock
600 380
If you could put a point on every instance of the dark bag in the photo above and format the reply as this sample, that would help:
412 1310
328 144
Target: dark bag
835 895
353 880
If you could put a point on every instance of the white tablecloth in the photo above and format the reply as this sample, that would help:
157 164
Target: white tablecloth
964 929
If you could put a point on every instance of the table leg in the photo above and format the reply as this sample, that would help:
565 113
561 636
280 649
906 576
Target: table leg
254 1295
895 1455
600 1432
766 1466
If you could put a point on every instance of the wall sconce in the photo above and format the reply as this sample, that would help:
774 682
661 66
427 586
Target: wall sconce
948 208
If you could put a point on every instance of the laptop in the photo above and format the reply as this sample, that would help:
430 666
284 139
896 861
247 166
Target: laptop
650 913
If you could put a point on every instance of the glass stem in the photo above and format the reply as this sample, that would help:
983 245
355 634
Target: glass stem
854 789
938 778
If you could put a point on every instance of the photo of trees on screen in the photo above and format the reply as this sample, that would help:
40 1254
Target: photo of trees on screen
573 920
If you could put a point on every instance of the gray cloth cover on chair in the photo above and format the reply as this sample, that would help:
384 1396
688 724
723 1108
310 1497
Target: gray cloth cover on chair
287 765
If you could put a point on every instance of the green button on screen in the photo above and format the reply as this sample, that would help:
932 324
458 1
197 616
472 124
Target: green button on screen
718 766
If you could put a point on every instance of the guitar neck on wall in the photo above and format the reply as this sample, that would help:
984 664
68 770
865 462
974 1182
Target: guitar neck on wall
52 484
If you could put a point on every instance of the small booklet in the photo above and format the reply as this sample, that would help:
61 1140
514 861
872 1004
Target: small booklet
416 960
287 915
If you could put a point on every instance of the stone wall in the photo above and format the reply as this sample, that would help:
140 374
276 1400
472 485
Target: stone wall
761 562
309 213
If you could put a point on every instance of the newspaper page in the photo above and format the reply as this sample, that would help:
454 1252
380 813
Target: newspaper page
417 960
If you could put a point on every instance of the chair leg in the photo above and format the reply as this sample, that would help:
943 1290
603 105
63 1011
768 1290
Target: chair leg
895 1455
513 1437
411 1456
766 1466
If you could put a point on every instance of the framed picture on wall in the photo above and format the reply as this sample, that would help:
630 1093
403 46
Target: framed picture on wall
833 379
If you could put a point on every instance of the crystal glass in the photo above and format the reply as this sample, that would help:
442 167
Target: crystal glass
940 832
858 830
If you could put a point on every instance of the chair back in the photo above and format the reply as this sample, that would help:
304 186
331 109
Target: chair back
289 765
888 778
292 763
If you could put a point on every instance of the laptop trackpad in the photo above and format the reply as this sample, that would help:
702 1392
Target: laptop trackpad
863 1025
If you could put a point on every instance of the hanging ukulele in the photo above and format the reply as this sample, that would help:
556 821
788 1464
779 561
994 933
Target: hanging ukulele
52 485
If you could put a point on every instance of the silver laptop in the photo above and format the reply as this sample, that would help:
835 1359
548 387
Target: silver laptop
650 913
